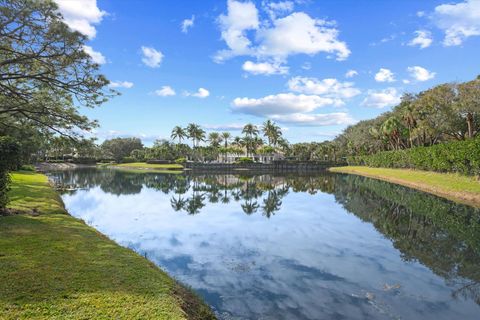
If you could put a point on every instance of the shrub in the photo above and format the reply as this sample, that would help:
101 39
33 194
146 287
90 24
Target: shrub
27 167
458 156
159 161
181 161
128 160
9 158
245 160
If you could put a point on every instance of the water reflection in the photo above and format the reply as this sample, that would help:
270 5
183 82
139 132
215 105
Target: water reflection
290 247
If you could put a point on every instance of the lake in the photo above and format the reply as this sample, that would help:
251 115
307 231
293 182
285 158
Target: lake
319 246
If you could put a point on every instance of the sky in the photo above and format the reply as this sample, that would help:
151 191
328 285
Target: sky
314 67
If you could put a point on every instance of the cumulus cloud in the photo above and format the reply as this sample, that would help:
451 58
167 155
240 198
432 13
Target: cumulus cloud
240 17
121 84
280 8
281 104
351 73
384 75
382 98
201 93
459 21
97 57
423 39
420 74
296 33
187 24
81 15
165 91
322 119
151 57
327 87
265 68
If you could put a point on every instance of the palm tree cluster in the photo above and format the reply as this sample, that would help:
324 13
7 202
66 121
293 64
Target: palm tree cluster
251 142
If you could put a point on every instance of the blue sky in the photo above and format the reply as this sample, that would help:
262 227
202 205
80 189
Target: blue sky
222 64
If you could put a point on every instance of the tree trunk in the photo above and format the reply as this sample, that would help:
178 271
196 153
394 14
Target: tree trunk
470 124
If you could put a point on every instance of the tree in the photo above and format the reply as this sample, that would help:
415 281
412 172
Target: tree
45 74
225 137
468 105
178 133
250 130
120 148
272 132
215 139
195 133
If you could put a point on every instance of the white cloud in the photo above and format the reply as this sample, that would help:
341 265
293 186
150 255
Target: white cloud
81 15
201 93
351 73
165 91
420 14
330 87
384 75
381 99
459 21
241 16
297 33
97 57
326 119
420 74
275 9
151 57
121 84
423 39
265 68
281 104
187 24
224 127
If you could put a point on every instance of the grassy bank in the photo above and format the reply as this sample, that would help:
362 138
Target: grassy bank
452 186
148 166
56 267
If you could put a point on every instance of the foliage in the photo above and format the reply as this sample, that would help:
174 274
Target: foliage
128 160
27 167
457 156
120 148
181 160
245 160
45 70
9 156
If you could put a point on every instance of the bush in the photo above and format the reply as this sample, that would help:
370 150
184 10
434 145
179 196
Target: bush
245 160
27 167
128 160
458 156
159 161
9 160
181 161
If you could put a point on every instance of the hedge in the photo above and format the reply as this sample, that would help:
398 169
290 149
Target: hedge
458 156
9 160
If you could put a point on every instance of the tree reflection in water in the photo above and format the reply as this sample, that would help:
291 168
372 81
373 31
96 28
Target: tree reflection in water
442 235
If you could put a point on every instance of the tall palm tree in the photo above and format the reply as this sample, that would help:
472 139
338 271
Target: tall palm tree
215 139
191 130
226 137
250 130
178 133
272 132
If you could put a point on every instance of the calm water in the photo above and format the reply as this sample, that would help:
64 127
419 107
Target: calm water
283 247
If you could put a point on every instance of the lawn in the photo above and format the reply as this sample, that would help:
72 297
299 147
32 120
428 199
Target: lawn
453 186
53 266
149 166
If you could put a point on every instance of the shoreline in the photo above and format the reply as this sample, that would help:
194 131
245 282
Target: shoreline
54 265
454 187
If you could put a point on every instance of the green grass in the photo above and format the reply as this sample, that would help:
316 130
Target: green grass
449 185
144 165
53 266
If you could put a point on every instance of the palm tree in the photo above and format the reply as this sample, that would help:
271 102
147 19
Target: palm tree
178 133
250 130
195 133
272 132
215 139
237 141
225 137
